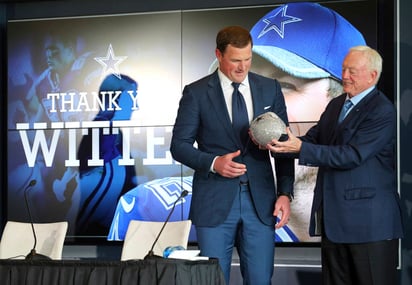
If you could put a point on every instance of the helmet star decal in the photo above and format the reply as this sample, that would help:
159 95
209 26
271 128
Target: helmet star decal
277 22
110 62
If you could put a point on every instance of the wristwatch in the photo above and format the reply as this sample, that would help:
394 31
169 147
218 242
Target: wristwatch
287 194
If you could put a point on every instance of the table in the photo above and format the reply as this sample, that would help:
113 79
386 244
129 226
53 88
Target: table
157 271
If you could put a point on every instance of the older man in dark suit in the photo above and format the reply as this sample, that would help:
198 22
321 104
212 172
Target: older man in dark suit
356 205
235 200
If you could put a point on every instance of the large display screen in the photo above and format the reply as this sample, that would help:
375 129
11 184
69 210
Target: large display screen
92 102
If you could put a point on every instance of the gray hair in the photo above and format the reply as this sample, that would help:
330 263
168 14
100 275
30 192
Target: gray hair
373 57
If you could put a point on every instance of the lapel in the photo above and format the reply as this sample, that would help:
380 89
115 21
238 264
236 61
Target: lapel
335 126
217 99
257 95
359 110
362 107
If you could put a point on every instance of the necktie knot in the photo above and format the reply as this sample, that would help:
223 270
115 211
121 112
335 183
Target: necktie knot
236 86
348 104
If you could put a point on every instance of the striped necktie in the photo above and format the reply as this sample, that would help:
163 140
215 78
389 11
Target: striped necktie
346 106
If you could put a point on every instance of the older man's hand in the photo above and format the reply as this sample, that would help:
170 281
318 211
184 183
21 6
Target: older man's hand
291 145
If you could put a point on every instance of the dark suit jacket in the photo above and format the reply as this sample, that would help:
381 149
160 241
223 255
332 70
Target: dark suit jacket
203 118
357 179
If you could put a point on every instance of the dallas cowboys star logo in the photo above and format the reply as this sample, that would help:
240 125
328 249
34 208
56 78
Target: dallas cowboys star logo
110 63
277 22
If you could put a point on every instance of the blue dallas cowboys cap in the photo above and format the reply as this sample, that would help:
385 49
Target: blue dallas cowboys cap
306 40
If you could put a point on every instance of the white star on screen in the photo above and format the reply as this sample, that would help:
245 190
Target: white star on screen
110 63
277 22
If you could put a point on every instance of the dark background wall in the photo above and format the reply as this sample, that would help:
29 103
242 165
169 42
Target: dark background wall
394 42
404 45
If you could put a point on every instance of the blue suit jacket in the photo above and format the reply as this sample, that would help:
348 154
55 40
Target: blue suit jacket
203 118
357 179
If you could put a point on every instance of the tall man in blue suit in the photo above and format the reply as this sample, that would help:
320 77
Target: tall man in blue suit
234 197
356 205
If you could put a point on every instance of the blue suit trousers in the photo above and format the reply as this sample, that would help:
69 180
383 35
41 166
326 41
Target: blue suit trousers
253 239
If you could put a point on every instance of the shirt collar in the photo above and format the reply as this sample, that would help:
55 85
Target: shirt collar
356 99
226 82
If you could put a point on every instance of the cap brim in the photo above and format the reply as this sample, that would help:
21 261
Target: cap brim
290 62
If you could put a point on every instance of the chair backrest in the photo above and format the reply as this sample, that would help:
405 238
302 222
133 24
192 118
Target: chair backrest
17 239
140 236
